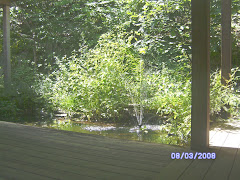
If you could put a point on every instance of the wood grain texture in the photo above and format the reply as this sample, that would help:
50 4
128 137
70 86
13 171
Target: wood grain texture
200 74
37 153
225 142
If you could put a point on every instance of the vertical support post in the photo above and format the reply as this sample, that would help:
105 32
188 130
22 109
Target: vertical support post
6 44
200 74
226 56
226 52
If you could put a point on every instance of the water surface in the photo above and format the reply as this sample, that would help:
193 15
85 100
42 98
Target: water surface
148 133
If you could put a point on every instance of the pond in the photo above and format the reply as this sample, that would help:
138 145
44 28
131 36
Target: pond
148 133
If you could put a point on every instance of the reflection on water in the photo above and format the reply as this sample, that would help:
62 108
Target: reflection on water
148 133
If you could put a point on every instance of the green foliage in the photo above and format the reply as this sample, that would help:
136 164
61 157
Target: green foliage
224 97
8 107
101 83
21 98
92 83
173 100
162 29
42 29
23 88
215 33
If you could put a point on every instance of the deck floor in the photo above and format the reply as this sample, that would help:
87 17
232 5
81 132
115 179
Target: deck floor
225 142
39 153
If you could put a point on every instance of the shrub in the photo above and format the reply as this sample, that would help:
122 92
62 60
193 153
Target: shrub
101 83
21 98
93 83
173 100
224 97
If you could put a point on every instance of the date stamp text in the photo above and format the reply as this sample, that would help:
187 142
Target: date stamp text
196 155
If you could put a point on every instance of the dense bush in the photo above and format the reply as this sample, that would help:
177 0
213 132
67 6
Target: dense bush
224 97
173 100
100 83
8 107
21 97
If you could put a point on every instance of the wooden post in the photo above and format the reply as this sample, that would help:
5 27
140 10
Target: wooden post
200 74
6 44
226 52
226 56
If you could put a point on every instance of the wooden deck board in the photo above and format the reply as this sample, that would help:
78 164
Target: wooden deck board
174 170
78 159
11 173
233 140
79 151
225 143
62 171
89 141
26 168
81 164
235 172
106 152
196 170
221 167
212 134
38 153
218 139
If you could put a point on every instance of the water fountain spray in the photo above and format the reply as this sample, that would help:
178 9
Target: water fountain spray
138 108
137 97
